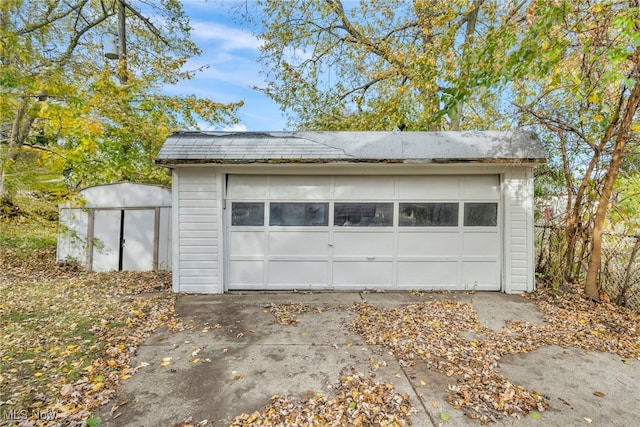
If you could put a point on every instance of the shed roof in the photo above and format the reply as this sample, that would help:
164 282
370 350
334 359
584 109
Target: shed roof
122 195
351 147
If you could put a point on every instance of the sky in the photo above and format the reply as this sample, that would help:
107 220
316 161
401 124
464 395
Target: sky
230 51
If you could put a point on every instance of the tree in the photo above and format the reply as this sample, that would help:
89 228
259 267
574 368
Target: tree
61 96
589 101
383 65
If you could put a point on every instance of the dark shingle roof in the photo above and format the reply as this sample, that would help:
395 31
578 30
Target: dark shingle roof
346 147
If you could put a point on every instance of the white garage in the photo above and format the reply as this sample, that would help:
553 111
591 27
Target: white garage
352 210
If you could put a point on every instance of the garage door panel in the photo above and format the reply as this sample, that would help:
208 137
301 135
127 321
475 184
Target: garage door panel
365 273
481 275
428 244
246 273
300 187
299 243
428 273
428 188
362 244
480 243
245 187
247 243
480 187
364 188
298 273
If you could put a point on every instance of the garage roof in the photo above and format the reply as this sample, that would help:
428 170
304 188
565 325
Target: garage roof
351 147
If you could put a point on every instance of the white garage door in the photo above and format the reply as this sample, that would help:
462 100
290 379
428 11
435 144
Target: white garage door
363 232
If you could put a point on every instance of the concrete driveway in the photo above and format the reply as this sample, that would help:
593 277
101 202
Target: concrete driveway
231 357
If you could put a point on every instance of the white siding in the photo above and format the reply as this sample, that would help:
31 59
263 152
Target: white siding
196 266
518 233
164 240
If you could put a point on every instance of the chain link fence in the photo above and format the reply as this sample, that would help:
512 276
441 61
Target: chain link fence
620 272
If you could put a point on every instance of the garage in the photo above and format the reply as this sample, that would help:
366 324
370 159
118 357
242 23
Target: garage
363 232
352 210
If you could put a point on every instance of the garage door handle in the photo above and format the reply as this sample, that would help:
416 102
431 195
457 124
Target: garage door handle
371 257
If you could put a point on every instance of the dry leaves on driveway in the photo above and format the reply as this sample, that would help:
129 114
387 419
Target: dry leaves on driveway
67 336
285 314
438 332
358 401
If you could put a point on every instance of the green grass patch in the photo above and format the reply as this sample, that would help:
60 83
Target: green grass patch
27 235
67 334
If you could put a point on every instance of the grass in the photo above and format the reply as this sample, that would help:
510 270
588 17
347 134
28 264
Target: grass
28 235
67 335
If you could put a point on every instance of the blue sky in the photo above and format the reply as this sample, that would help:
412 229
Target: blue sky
230 50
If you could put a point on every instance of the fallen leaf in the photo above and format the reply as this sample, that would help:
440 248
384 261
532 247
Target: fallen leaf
444 417
598 394
66 390
166 361
97 387
535 415
357 401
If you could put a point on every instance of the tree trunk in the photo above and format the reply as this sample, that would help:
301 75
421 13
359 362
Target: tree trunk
5 197
574 225
20 128
591 287
472 19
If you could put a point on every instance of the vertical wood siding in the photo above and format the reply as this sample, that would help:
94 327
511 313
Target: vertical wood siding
518 263
196 219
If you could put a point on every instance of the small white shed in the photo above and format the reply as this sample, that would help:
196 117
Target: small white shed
123 226
352 210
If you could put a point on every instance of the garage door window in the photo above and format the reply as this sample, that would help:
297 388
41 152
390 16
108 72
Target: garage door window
247 214
428 214
480 214
363 214
299 214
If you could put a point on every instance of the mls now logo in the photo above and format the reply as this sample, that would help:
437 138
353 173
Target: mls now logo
22 414
14 414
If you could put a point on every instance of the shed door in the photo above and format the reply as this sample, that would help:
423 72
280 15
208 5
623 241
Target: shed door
123 239
137 244
106 240
363 232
